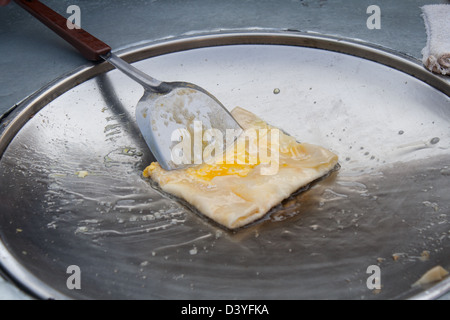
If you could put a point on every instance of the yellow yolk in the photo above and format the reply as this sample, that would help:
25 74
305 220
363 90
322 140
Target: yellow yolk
241 166
208 172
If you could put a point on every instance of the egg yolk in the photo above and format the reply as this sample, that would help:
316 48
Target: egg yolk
208 172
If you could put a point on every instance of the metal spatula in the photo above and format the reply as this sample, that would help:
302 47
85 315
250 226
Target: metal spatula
168 113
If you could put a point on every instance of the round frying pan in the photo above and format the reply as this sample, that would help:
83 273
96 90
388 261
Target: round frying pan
73 196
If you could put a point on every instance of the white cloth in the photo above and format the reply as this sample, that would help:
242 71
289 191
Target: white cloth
436 54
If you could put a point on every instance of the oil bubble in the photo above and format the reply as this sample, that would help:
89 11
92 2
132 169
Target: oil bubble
435 140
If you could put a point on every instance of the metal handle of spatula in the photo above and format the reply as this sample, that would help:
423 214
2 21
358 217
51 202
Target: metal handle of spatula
89 46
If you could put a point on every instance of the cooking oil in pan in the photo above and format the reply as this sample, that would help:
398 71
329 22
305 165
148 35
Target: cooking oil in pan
346 222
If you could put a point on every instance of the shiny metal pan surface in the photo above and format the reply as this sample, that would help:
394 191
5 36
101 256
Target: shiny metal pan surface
72 191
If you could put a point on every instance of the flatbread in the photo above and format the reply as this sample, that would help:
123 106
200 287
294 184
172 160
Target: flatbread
236 194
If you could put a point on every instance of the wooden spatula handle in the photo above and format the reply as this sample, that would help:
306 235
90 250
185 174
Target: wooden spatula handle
88 45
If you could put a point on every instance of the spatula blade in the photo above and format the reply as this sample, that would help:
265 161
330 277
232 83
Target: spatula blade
178 126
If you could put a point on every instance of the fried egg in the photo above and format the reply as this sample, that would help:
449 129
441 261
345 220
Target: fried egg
236 193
